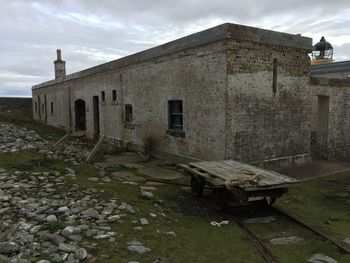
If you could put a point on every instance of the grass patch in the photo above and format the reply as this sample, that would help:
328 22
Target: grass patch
323 203
53 227
30 161
23 117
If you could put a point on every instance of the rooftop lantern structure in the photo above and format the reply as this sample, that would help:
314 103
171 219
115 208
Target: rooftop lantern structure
322 52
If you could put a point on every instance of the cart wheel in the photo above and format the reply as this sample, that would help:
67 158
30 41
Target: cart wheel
267 201
270 200
220 198
197 185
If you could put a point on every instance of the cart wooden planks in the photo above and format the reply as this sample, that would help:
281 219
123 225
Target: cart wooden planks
236 181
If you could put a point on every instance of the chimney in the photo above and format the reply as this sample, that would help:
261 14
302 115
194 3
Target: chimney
60 66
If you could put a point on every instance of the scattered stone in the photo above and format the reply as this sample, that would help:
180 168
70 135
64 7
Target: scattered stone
347 240
144 221
136 246
7 248
51 219
320 258
286 240
171 234
4 259
146 195
91 213
81 253
114 218
92 179
148 188
67 248
70 230
53 238
261 220
63 209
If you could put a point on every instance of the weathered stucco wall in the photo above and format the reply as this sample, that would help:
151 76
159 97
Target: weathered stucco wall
196 76
58 95
331 140
263 124
224 78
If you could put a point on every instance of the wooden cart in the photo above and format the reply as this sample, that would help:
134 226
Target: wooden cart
238 182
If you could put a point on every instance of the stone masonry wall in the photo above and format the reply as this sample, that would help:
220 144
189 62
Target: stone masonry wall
8 103
263 124
338 93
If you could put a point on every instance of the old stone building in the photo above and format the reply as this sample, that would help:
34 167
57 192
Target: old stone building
229 92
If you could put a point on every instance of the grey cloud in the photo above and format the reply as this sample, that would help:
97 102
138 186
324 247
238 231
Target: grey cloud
92 32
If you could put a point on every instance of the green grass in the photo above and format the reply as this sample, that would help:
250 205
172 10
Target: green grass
196 240
29 161
324 204
53 227
23 117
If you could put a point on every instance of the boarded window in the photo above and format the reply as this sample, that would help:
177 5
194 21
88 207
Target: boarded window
103 96
51 107
114 95
128 113
175 115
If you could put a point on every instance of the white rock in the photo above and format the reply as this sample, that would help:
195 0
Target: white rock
320 258
67 248
51 218
286 240
171 234
146 194
81 253
144 221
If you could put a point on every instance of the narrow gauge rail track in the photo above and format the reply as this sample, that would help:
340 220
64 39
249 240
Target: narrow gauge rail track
265 252
312 229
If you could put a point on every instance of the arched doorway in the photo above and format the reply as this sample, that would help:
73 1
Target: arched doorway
80 115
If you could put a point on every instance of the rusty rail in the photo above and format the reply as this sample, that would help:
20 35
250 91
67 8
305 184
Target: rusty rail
265 252
312 229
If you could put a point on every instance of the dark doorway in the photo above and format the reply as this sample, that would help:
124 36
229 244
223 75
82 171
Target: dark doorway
80 115
45 108
96 116
39 107
323 119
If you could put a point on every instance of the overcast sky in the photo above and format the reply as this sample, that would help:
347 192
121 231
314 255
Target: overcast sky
91 32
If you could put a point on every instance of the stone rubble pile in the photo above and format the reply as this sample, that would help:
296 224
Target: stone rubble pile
14 138
40 217
43 221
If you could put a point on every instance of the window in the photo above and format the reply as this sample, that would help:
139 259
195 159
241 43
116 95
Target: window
103 96
128 113
175 117
51 107
274 80
114 95
36 106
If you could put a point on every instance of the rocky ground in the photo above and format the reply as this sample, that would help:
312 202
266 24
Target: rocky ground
56 208
41 218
